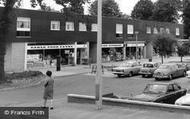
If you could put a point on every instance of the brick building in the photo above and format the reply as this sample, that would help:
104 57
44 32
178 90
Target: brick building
38 36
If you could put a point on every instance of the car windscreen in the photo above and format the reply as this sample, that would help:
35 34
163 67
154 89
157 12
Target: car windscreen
155 88
164 67
148 65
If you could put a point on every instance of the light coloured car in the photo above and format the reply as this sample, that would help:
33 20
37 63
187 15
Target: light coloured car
148 69
127 69
169 71
184 100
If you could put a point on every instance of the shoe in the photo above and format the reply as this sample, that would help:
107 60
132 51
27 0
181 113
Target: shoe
51 108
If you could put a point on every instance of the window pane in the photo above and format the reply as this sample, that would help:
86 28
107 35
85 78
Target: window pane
69 26
148 30
82 26
55 25
94 27
130 29
23 24
177 32
119 28
155 30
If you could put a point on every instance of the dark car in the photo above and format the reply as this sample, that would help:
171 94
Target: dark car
161 93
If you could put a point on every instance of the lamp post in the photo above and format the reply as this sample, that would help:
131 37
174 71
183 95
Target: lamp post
98 85
136 34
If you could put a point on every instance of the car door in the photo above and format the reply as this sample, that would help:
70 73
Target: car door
169 97
178 91
180 70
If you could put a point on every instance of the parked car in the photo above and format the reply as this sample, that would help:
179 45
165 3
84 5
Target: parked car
169 71
161 93
184 100
127 68
149 68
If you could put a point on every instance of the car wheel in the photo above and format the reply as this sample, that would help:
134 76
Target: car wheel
170 77
130 74
143 75
184 74
156 79
119 75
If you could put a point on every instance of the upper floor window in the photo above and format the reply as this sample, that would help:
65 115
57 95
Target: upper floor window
69 26
148 30
55 25
155 30
168 30
94 27
82 26
23 26
130 29
177 32
119 30
161 30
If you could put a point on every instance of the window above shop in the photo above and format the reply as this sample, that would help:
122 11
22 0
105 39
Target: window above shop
161 30
55 25
69 26
177 32
94 27
23 27
148 30
82 26
119 30
130 29
155 31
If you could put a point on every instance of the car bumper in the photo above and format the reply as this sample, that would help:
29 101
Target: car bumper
158 76
116 73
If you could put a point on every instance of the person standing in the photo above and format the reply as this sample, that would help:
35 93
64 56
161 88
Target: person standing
48 89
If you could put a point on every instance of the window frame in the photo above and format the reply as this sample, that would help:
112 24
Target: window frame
54 22
71 26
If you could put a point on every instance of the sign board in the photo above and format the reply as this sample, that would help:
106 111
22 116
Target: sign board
33 57
134 45
111 45
40 47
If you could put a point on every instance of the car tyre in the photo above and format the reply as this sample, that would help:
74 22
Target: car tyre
157 79
130 74
184 74
119 75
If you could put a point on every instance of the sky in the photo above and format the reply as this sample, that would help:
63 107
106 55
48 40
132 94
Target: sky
126 6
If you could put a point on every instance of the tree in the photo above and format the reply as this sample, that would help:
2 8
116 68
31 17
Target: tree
186 18
73 6
42 5
183 50
5 21
163 44
109 8
167 10
143 10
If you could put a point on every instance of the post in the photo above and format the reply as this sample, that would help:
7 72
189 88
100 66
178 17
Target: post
98 86
136 32
75 54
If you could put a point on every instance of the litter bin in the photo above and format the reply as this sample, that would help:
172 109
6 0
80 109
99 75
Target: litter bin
150 60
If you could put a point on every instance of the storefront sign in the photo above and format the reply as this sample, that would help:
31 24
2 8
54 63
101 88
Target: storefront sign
111 45
134 45
40 47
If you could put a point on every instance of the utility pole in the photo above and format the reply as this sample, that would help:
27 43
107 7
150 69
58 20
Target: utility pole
98 86
136 32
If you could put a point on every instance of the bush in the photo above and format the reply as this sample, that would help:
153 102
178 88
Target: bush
21 75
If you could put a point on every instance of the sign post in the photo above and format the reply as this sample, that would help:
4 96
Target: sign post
98 85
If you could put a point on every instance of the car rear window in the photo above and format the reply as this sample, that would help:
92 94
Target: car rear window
148 65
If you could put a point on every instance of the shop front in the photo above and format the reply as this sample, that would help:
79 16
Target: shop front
43 54
112 52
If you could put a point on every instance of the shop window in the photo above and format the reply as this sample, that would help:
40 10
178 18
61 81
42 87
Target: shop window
148 30
119 30
69 26
155 30
55 25
82 26
177 32
94 27
130 29
23 27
